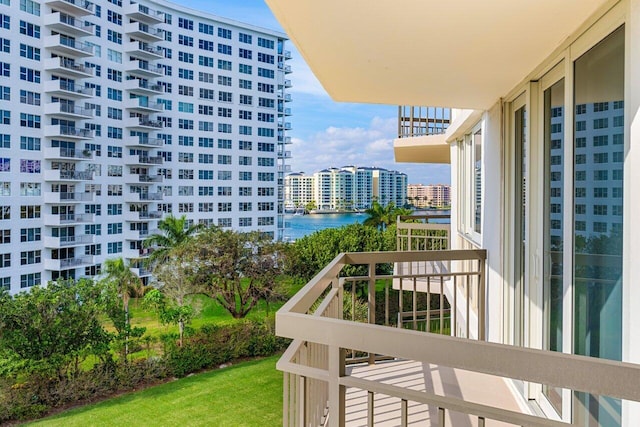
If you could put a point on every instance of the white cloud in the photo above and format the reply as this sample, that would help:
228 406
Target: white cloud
370 146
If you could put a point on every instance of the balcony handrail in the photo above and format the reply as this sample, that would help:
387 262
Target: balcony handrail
321 334
73 21
82 4
71 87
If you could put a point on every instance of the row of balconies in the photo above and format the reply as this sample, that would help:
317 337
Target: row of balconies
67 175
67 24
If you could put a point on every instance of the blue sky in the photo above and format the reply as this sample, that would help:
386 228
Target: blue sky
327 133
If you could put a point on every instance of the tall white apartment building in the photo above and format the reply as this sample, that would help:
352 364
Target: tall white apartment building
346 188
115 113
298 190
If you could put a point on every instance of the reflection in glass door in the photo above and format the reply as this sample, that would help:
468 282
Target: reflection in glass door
598 183
553 228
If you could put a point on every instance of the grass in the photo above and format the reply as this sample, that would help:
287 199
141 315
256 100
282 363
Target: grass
246 394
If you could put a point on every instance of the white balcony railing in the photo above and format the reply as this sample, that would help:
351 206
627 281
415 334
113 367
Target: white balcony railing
407 325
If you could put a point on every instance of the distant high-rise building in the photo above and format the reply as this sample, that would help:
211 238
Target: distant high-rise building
346 188
432 195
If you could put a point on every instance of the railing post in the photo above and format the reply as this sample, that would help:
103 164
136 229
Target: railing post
481 301
337 392
372 303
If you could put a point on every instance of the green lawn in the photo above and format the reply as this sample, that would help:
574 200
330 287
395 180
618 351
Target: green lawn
247 394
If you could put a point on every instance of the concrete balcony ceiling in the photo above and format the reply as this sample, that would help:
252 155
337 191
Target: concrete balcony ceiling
454 53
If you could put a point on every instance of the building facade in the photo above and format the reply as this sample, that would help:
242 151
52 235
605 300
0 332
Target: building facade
432 195
543 147
116 113
347 188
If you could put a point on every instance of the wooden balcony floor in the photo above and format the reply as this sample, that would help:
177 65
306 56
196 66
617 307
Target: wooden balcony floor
470 386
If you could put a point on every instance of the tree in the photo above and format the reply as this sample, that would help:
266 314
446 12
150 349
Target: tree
173 231
382 217
175 281
236 269
54 328
310 206
124 283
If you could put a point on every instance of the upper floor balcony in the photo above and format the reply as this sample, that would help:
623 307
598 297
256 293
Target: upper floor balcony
64 131
401 341
68 241
137 197
144 141
63 45
67 198
54 220
142 87
66 110
142 216
139 12
422 121
56 175
144 50
67 263
64 153
68 89
143 105
144 32
67 67
68 24
143 69
72 7
142 160
143 123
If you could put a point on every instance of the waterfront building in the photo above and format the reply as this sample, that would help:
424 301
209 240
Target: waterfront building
116 113
346 188
542 136
432 195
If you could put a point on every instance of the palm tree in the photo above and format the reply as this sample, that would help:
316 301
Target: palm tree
118 276
382 217
174 231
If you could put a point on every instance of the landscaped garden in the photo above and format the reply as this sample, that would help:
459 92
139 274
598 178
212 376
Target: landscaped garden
212 302
246 394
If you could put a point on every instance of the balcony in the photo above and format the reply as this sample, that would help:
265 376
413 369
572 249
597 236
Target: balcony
67 263
67 111
67 67
144 142
139 234
63 153
142 197
142 216
143 105
143 123
287 83
142 87
68 241
416 356
67 24
142 31
421 121
282 154
67 198
144 50
287 54
285 68
140 271
284 168
62 131
52 220
285 111
143 69
67 175
64 46
68 90
136 160
142 13
286 97
72 7
135 178
284 125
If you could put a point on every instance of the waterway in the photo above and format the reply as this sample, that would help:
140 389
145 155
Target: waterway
301 225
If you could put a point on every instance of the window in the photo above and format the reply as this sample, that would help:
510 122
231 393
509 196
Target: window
29 29
30 234
244 191
29 75
245 145
30 6
245 84
225 128
114 228
224 33
205 191
205 28
269 44
246 99
224 144
30 120
30 257
29 52
265 72
185 40
114 247
114 17
186 57
187 24
266 58
224 65
29 280
245 222
245 69
224 175
470 152
205 142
